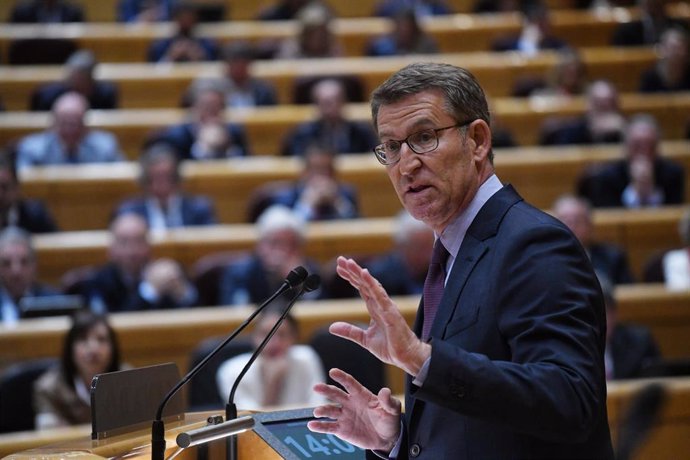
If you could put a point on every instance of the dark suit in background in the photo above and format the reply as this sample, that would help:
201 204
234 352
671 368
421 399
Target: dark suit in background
631 348
104 96
183 136
32 216
194 210
610 261
352 137
32 11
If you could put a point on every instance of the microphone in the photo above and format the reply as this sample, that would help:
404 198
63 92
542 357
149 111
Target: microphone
296 277
310 284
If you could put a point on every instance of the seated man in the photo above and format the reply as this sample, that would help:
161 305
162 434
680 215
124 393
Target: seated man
15 210
79 77
331 128
242 89
18 278
131 280
279 249
629 348
46 12
536 33
319 195
607 259
671 71
402 270
184 45
163 203
407 37
68 140
643 177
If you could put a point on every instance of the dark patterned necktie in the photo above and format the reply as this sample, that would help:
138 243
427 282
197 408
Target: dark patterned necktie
433 286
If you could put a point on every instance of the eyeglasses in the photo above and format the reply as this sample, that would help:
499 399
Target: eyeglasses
423 141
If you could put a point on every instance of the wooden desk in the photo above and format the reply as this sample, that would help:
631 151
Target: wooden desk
641 233
82 197
114 42
143 85
266 127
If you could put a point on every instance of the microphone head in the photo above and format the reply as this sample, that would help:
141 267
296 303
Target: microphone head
312 283
296 276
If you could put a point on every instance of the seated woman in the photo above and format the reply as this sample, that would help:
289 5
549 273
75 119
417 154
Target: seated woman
283 374
61 395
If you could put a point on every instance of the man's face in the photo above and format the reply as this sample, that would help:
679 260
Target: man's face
161 180
641 141
577 218
17 268
433 186
130 249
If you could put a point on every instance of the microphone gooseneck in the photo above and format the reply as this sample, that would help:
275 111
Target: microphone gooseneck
311 283
296 277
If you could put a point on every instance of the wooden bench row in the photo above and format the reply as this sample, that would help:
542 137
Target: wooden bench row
170 336
143 85
82 197
641 233
116 42
267 127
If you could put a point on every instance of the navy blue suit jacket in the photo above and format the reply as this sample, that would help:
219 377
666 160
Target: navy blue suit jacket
359 137
103 96
196 210
517 367
183 136
34 217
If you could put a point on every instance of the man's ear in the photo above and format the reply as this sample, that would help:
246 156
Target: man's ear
480 133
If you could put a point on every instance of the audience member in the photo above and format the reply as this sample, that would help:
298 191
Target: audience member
283 10
46 11
671 71
283 374
68 140
18 277
279 248
421 8
242 89
315 38
643 177
648 28
535 35
16 210
62 395
207 109
331 129
318 194
676 263
162 202
407 37
629 348
602 122
607 259
185 45
402 270
131 280
145 10
565 79
79 77
496 6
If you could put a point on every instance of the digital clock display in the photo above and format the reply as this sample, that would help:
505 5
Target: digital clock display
293 435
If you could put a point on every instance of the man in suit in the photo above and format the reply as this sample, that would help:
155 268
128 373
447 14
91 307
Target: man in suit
79 77
242 89
15 210
506 357
331 128
18 278
46 11
642 177
163 204
648 28
607 259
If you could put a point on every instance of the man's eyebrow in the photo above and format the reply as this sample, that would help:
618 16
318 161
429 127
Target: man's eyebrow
418 125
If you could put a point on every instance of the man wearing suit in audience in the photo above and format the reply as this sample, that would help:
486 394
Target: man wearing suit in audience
163 203
131 280
279 249
18 277
607 259
79 77
506 357
46 11
643 177
536 33
242 89
331 128
648 28
630 348
402 271
69 140
17 211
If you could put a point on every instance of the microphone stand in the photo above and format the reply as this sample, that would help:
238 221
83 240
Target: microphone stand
310 284
295 278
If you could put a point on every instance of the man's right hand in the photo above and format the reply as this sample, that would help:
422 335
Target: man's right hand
357 415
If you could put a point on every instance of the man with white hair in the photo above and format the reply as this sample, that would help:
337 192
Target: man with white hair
69 139
279 249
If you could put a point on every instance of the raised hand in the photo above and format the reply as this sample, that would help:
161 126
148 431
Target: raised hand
357 415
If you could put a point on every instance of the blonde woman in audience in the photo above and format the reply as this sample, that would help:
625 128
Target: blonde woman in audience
61 395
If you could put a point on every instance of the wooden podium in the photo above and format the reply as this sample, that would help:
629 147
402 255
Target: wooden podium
137 445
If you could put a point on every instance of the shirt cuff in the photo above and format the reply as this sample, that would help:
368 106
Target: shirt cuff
423 372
